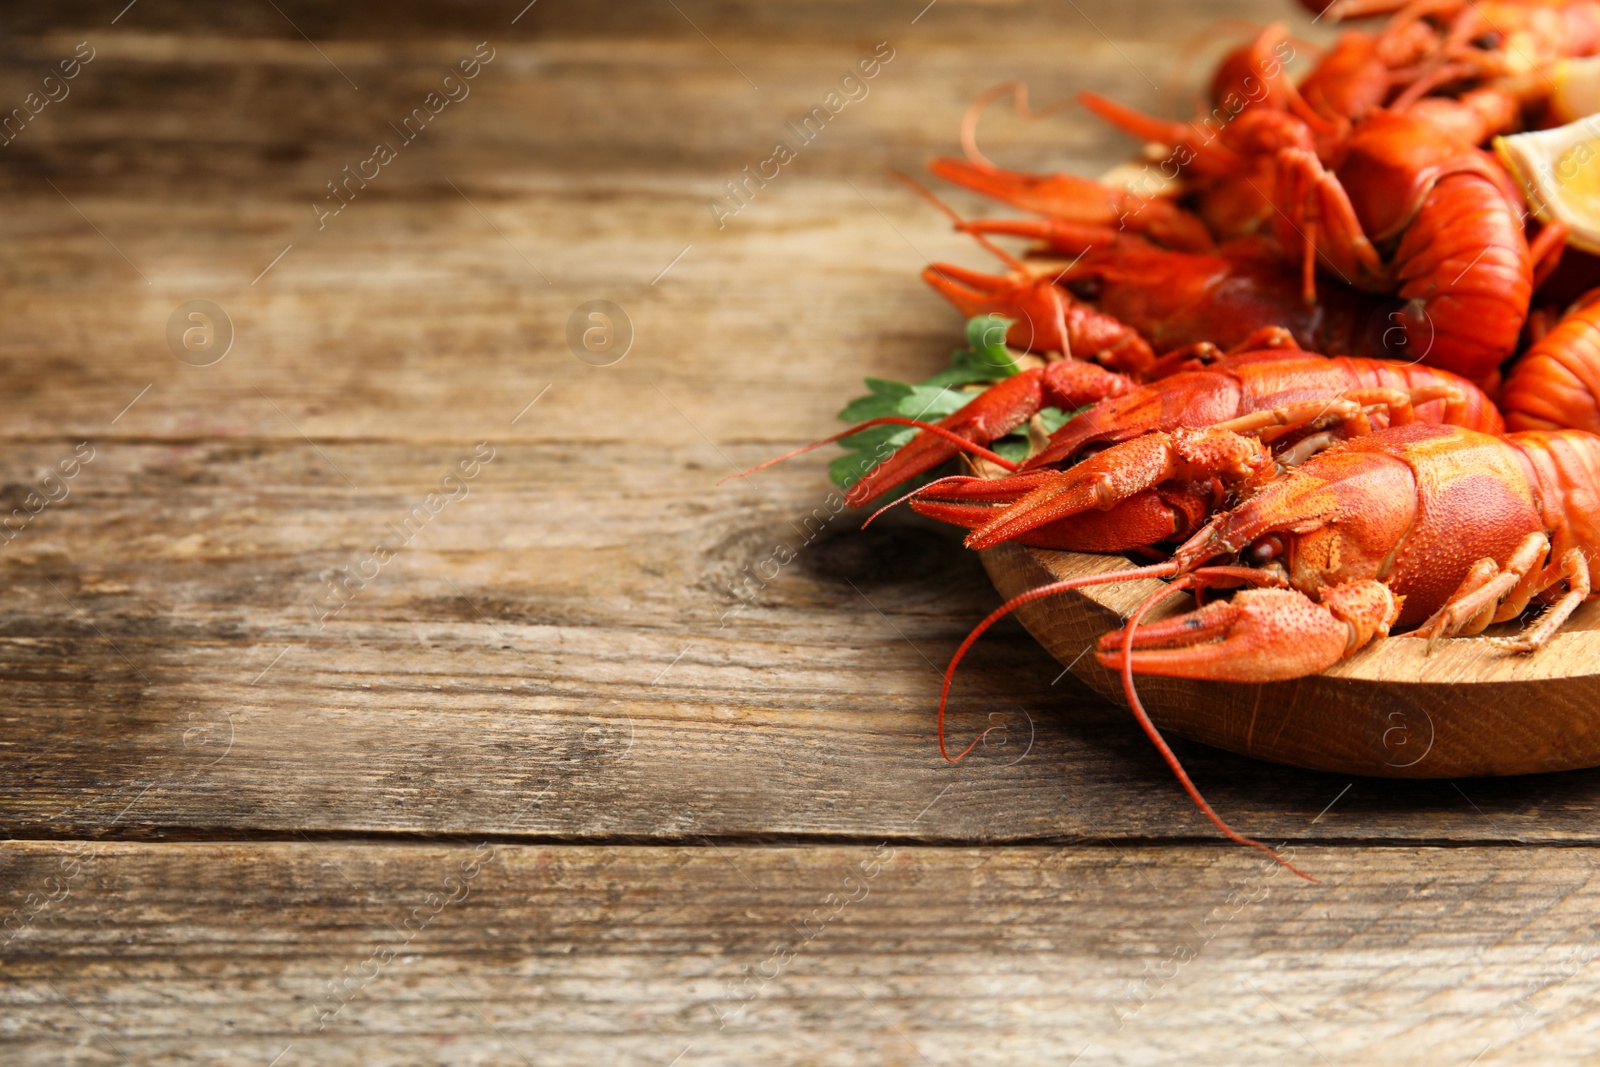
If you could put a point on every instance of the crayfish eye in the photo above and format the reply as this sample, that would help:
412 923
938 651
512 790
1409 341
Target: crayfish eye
1266 549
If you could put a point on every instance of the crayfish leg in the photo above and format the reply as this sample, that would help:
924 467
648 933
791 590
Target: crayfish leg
1311 201
1487 589
1574 570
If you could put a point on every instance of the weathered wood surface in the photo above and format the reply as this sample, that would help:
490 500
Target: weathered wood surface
558 657
813 955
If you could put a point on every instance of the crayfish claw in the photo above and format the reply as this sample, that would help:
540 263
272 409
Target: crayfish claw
1261 635
1122 471
993 413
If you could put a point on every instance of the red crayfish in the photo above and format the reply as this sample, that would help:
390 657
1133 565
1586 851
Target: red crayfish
1398 202
1439 527
1556 383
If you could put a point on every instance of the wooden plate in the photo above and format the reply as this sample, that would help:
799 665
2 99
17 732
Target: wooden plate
1392 710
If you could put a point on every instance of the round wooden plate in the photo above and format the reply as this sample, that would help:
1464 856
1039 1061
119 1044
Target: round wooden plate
1393 710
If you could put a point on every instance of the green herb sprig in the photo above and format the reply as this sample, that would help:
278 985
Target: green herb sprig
984 360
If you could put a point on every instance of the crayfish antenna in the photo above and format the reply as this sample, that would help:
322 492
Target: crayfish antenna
897 501
929 195
1168 569
1160 742
1157 570
961 224
960 442
1019 93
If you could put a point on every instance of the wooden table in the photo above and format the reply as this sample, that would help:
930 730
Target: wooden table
550 778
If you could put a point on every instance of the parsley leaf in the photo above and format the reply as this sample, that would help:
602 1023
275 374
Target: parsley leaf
985 359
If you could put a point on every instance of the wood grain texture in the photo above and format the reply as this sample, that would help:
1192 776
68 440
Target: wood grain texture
573 662
1133 954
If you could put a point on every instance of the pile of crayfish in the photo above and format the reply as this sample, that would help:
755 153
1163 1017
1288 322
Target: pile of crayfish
1320 349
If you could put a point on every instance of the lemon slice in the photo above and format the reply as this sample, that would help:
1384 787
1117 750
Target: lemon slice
1559 173
1145 176
1577 93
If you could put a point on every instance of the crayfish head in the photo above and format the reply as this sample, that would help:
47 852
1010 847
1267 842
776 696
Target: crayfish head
1340 517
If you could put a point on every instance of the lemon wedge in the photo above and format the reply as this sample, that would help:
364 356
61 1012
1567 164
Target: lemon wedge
1577 92
1146 175
1558 171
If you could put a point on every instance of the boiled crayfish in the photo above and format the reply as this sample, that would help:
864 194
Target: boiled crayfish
1291 396
1438 527
1556 383
1397 201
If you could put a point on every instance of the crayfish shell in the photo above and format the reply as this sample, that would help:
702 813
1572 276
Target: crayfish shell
1393 710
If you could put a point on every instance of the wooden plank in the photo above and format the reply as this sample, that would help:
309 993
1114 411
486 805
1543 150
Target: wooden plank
580 102
809 22
822 955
